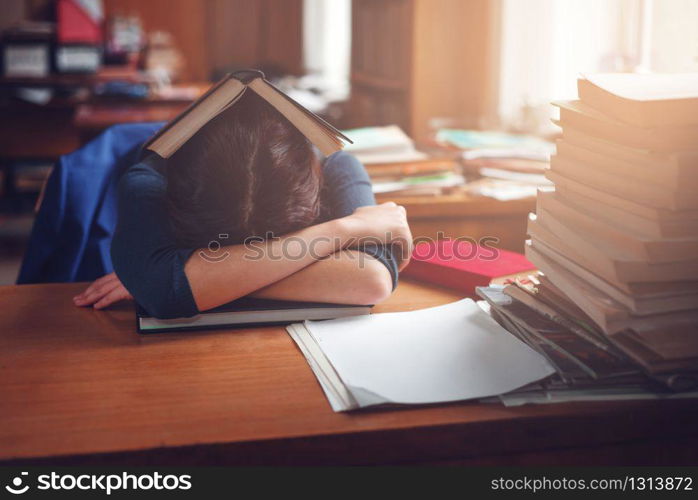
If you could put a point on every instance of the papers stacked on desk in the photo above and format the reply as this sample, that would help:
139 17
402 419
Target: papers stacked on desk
500 165
446 353
397 167
588 367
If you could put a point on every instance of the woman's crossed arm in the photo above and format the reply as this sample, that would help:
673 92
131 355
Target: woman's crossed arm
313 264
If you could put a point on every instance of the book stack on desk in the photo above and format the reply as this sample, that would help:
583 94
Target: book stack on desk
588 367
499 165
617 240
419 178
397 167
382 145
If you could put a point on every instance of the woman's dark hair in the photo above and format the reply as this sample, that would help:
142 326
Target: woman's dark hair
248 172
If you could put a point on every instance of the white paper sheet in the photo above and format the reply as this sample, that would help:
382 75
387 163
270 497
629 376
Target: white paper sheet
445 353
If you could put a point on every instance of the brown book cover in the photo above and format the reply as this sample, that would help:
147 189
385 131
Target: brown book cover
224 94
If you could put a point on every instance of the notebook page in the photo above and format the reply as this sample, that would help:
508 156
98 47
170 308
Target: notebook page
445 353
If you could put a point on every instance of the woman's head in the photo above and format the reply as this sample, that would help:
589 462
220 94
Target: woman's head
248 172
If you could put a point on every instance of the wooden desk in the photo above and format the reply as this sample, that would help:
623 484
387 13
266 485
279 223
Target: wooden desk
80 386
464 215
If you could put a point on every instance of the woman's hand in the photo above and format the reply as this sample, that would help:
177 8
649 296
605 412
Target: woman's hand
102 293
385 223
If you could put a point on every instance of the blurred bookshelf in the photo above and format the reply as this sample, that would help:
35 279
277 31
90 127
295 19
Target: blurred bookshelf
406 56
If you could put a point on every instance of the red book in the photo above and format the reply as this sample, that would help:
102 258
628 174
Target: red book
462 265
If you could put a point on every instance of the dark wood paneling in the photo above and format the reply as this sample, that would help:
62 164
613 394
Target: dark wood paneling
234 32
245 33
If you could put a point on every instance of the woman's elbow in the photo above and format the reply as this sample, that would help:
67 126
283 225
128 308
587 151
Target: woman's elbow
376 287
157 302
157 299
163 310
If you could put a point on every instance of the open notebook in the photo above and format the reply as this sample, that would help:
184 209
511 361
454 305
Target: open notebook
446 353
224 94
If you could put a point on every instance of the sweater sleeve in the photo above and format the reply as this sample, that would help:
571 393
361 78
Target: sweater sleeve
347 187
144 253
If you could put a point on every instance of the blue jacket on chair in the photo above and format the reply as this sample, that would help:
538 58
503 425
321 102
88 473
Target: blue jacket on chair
73 229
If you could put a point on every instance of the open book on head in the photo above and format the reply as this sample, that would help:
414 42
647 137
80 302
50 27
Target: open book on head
224 94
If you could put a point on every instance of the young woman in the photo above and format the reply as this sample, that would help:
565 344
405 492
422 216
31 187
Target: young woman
247 207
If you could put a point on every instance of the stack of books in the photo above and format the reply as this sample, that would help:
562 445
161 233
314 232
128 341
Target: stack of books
617 239
500 165
422 178
382 145
395 165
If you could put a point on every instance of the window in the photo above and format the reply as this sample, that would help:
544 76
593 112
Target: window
327 44
545 44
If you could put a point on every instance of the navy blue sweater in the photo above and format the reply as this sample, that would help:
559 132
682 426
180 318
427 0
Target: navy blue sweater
147 259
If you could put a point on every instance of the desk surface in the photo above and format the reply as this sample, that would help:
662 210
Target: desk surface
77 382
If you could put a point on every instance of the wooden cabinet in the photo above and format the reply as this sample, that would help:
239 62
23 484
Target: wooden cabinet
414 60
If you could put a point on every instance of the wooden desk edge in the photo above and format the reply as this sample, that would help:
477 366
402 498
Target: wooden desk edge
473 443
